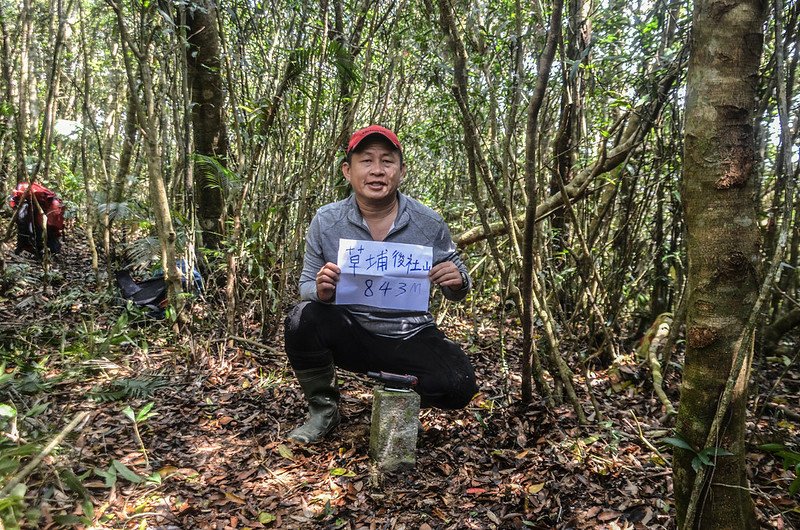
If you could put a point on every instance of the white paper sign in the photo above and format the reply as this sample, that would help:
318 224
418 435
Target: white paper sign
385 275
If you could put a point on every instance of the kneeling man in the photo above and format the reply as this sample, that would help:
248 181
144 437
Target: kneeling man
321 335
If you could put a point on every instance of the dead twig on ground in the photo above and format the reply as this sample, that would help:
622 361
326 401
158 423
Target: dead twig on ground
79 418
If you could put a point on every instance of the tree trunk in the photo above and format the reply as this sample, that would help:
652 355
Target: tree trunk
7 127
22 90
51 102
659 302
568 135
126 153
531 364
772 334
147 118
86 168
638 121
208 117
723 253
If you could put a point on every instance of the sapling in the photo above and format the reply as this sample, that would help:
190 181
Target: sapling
137 418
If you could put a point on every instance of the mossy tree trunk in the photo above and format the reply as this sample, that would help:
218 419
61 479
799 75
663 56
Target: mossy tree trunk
208 117
723 253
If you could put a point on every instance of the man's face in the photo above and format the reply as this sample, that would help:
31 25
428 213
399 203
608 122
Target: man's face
375 172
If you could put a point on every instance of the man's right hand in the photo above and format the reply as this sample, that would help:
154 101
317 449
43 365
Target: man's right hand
327 277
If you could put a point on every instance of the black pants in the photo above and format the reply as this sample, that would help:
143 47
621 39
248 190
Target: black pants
29 233
318 334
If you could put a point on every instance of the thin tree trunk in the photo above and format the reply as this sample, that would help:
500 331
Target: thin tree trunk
530 358
148 119
126 153
85 166
567 139
294 67
658 298
22 90
51 102
7 127
639 123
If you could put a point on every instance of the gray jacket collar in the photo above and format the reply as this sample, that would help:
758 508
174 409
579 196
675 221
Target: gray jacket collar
402 219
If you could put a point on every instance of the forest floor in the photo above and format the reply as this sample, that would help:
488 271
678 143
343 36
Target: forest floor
210 453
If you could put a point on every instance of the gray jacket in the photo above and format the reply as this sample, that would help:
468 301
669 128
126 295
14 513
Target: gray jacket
415 224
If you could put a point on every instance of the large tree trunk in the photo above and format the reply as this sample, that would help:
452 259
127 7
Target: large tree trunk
722 247
208 117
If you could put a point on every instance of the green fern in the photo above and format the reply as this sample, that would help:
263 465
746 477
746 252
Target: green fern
128 211
141 253
139 387
18 278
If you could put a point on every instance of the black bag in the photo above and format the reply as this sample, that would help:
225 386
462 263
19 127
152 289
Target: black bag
151 293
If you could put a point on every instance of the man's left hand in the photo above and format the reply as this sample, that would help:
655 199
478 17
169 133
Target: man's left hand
446 274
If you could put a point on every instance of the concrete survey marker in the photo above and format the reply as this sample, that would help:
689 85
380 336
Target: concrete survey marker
393 432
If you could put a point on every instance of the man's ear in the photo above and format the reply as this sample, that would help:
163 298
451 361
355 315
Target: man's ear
346 171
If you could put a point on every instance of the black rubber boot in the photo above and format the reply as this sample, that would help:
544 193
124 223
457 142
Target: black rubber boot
322 394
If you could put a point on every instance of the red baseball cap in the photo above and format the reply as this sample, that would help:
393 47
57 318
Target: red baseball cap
360 134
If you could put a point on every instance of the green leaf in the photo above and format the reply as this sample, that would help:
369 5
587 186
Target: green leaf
790 458
70 520
266 518
126 473
285 452
22 450
37 409
342 472
795 486
122 321
128 412
110 476
703 457
145 413
678 442
88 509
18 491
74 483
8 465
591 439
715 451
772 448
7 411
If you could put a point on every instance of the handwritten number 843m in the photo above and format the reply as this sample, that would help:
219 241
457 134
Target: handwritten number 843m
401 288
